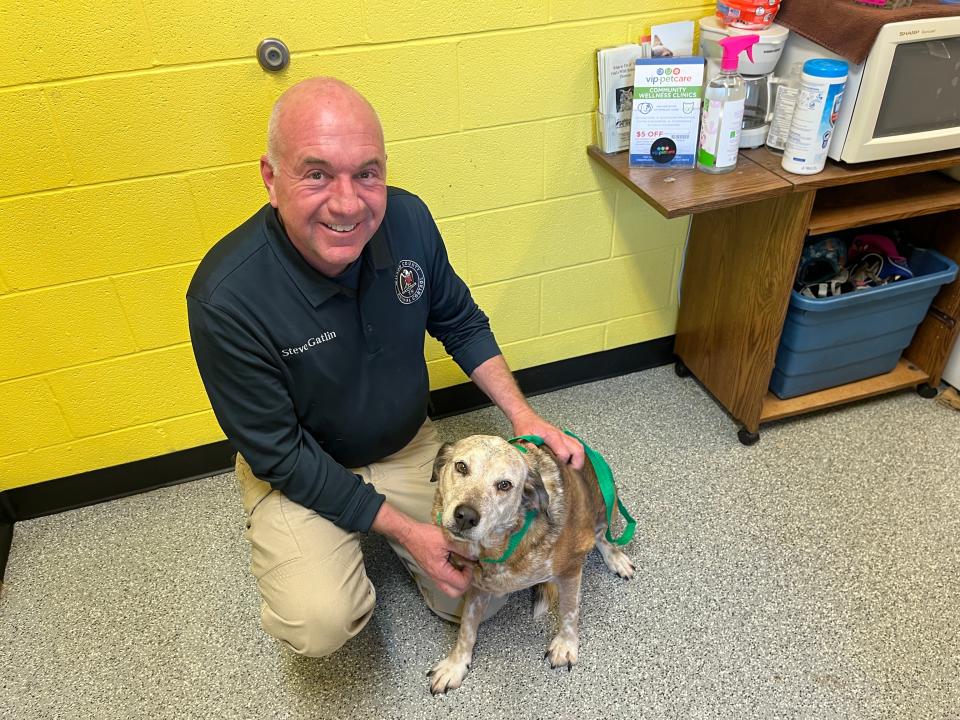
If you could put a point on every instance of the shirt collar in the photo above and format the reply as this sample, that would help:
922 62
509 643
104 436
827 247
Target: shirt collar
315 286
378 249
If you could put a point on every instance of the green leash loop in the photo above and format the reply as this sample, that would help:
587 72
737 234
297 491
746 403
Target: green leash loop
535 439
514 539
604 480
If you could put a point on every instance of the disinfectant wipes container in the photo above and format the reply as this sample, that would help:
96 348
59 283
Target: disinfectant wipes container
831 341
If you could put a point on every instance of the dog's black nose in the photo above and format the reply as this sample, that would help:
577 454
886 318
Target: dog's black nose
466 517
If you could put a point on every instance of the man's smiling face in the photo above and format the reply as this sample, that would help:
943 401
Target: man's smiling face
329 183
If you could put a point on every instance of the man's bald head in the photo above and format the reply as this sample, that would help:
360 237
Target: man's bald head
313 95
325 171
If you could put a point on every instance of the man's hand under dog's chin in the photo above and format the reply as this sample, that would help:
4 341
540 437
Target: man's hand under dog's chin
438 556
461 555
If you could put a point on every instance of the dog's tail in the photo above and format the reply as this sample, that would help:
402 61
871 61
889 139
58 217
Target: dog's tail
544 595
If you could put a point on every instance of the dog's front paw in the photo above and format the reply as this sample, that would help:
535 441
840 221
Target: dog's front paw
448 674
562 651
618 561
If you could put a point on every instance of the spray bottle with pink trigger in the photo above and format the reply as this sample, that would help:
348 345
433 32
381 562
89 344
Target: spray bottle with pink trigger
723 101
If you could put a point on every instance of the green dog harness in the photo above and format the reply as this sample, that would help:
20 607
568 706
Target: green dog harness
604 480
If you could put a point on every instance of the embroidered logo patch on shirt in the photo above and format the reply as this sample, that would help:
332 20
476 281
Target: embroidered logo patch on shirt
409 282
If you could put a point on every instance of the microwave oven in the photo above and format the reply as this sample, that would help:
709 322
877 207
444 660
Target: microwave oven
904 99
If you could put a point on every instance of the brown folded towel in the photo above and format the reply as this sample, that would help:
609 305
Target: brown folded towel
849 28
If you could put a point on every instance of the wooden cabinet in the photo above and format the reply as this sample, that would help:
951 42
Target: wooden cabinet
746 235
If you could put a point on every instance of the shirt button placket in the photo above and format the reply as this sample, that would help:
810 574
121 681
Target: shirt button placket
370 337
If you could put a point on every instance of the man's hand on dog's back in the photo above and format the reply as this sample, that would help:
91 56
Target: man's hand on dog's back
430 548
494 378
566 448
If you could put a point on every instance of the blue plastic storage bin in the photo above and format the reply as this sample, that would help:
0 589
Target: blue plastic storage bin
832 341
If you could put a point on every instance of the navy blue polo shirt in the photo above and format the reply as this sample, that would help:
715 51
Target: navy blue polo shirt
308 376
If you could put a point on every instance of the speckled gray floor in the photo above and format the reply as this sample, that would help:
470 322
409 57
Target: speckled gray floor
814 575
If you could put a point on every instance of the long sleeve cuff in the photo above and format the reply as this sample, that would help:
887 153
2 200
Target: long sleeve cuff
360 512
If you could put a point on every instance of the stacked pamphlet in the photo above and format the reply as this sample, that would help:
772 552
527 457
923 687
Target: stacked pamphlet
615 67
664 128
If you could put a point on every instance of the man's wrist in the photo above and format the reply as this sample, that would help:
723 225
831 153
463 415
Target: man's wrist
517 415
392 523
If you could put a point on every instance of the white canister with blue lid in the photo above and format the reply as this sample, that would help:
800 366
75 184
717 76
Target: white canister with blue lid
818 105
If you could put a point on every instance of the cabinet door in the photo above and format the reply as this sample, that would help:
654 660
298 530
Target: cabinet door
737 277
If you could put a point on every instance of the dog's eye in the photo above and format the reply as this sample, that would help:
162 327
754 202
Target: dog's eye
461 467
504 485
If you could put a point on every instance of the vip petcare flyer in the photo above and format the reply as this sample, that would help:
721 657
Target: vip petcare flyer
664 127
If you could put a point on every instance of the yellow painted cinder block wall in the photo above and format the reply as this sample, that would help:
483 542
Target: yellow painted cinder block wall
131 131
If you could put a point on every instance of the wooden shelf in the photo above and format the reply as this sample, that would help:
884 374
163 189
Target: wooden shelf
675 192
849 206
685 191
904 375
842 174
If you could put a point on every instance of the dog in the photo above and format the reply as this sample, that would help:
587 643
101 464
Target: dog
486 490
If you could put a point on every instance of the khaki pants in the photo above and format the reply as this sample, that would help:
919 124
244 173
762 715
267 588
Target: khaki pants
314 588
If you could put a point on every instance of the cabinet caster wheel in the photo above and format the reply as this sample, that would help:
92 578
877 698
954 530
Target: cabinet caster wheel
680 369
926 391
746 437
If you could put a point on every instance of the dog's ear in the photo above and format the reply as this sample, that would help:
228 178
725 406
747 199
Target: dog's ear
443 457
535 496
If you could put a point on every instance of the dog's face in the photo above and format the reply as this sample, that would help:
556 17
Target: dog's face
484 482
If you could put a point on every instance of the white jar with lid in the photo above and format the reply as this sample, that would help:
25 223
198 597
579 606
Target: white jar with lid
818 105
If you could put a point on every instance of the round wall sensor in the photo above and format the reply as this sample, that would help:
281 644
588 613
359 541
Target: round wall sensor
273 55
